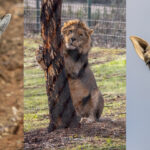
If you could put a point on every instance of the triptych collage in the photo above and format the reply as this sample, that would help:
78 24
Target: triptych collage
74 75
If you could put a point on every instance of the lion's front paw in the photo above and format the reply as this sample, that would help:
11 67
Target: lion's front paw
87 120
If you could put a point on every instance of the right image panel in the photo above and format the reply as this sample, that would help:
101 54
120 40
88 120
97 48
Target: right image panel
138 75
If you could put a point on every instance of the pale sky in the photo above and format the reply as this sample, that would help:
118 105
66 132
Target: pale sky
138 78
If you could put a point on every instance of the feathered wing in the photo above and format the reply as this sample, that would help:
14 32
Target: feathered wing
140 46
4 23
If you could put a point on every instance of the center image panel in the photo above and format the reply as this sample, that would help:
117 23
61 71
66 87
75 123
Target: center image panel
74 74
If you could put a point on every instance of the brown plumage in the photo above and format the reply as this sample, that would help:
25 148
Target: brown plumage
4 21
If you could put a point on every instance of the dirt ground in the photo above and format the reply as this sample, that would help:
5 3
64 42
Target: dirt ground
11 77
68 138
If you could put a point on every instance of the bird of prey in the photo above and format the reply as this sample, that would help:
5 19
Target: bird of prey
4 21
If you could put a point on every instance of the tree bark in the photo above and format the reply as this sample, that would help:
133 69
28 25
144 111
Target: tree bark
61 110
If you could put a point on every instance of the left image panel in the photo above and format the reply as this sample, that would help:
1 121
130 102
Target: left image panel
11 74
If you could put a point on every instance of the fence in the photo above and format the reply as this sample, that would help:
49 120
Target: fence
108 21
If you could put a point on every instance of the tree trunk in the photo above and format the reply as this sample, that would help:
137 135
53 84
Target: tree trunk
61 110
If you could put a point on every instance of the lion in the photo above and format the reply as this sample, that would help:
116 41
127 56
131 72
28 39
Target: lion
87 99
142 48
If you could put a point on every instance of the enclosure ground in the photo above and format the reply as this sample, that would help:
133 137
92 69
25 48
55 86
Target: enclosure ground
11 78
106 134
109 68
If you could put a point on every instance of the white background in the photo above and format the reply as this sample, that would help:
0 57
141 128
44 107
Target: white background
138 78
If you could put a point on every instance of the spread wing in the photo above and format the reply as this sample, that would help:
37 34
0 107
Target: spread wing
4 23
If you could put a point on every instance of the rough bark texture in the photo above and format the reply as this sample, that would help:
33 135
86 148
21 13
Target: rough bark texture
62 112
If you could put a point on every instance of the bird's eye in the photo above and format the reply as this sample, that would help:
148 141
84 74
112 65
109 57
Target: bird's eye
70 31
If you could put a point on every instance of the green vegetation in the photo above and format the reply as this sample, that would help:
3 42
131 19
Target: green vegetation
91 147
109 67
35 98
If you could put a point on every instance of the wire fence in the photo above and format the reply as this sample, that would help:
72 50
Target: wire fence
109 25
108 21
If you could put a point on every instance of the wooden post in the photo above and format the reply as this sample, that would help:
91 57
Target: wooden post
62 112
38 15
89 12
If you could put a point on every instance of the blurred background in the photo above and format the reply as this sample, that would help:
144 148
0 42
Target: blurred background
138 78
11 77
107 18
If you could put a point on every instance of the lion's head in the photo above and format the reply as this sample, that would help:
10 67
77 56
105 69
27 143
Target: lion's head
77 35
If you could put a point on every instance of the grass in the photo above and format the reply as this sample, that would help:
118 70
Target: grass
91 147
110 76
35 105
109 68
101 144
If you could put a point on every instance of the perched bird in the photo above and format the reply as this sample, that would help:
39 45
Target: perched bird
4 21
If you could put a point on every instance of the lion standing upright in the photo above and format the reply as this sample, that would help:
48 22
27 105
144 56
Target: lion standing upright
87 98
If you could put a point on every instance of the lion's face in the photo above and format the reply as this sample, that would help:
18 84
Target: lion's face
76 35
